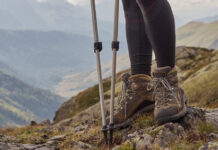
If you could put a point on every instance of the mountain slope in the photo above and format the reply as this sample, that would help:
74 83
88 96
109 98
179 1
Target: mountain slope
208 19
78 121
198 34
197 67
70 86
21 103
44 57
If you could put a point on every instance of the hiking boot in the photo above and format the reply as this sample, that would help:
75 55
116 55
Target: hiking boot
170 99
135 93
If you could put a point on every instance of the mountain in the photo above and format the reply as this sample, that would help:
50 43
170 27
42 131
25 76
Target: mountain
45 57
198 34
197 67
70 86
21 103
49 15
7 69
77 124
208 19
20 14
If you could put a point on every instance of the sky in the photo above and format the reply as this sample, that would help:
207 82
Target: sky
184 9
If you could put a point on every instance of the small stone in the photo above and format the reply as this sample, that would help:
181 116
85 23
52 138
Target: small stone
45 136
44 148
145 142
50 143
29 146
82 145
213 137
169 133
58 138
192 117
80 128
212 117
209 146
46 122
33 123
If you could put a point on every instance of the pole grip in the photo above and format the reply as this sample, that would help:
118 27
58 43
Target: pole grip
115 45
97 46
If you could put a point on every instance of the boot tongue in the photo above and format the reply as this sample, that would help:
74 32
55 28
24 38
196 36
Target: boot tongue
161 71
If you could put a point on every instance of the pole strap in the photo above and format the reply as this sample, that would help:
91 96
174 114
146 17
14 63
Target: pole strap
97 46
115 45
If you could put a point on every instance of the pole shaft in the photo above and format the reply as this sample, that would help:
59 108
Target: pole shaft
113 82
98 61
94 21
114 61
101 91
116 19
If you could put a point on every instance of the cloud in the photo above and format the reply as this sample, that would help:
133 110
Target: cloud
178 4
41 1
191 4
80 2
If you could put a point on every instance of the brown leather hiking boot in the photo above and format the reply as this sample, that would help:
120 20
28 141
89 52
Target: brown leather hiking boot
135 93
169 97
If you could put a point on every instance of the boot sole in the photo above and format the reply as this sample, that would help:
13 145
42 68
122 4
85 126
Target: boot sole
129 121
172 118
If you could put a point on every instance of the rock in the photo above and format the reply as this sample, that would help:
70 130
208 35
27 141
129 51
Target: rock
80 128
33 123
169 133
212 116
29 146
82 146
46 122
44 148
57 138
145 142
209 146
8 146
213 137
133 136
193 117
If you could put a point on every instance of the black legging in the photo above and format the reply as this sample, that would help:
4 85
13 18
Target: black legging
149 24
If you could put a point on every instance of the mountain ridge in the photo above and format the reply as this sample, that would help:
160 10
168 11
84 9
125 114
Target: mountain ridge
18 102
188 35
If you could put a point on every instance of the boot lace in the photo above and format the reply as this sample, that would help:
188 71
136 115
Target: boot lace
122 101
163 92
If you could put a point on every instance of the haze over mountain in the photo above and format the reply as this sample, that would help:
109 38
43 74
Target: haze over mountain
199 34
196 34
21 103
48 15
42 41
208 19
45 57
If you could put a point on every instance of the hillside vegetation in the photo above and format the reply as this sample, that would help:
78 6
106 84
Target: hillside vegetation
77 122
198 34
21 103
197 68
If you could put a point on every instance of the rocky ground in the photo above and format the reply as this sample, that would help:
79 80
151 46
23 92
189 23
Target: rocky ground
197 130
77 123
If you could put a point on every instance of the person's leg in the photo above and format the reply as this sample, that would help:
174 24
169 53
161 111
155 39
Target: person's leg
135 96
169 97
140 50
160 29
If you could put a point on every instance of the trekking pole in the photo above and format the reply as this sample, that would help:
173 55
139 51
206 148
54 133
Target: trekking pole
115 48
97 50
